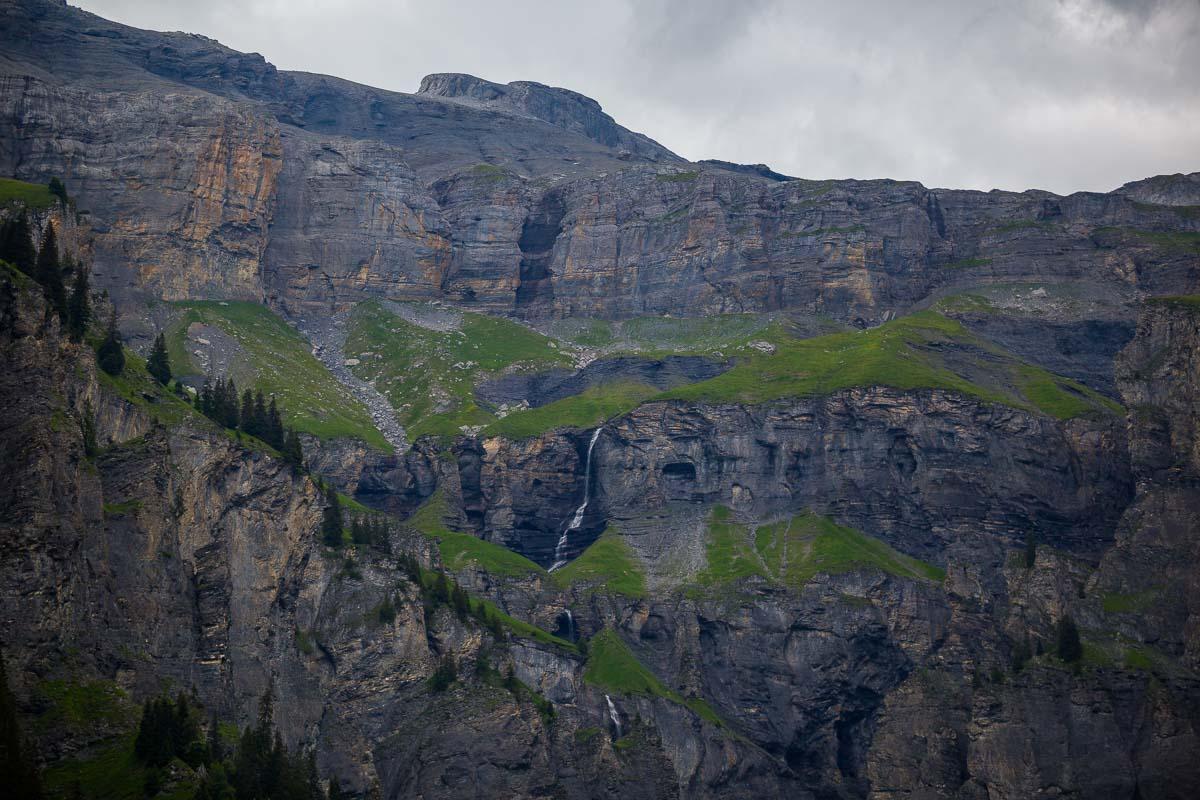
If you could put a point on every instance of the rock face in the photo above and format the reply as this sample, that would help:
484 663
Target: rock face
918 470
173 553
520 199
560 107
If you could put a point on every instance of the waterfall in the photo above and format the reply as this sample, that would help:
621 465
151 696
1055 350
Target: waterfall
577 519
570 626
614 716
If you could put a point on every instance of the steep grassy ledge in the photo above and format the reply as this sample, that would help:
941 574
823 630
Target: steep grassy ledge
921 351
279 361
31 195
791 552
612 667
607 565
430 375
460 550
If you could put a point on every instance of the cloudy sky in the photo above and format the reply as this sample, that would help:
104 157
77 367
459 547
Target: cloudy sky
1013 94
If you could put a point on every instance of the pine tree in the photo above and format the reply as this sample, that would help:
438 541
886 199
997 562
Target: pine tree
111 355
248 421
274 431
79 307
460 602
445 674
48 272
58 190
293 453
335 790
87 430
20 775
331 520
1070 649
16 244
159 364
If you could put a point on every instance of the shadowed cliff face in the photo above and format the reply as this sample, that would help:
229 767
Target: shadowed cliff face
924 471
518 199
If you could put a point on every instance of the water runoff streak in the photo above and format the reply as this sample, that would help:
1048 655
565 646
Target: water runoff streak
577 519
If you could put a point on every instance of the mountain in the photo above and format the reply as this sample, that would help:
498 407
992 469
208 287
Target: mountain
658 478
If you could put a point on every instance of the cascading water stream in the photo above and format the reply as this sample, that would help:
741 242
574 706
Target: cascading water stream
577 518
570 626
614 716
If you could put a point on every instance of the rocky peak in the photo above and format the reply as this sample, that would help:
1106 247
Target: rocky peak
1165 190
562 108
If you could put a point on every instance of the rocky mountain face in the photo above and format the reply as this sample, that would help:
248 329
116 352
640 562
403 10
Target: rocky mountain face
801 555
519 199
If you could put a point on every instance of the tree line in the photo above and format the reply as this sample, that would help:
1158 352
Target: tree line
51 270
259 766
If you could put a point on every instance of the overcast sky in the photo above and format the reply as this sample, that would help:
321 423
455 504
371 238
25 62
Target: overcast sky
1012 94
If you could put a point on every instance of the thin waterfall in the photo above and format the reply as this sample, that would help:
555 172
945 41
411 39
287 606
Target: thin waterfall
577 519
614 716
570 626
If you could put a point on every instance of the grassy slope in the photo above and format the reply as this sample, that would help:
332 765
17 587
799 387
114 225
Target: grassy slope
613 667
415 365
585 410
903 354
908 353
791 552
459 550
609 565
280 363
31 195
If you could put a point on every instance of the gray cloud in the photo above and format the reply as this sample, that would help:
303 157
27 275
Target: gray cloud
1013 94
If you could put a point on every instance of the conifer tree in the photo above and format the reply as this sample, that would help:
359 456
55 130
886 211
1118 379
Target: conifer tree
331 520
292 452
159 364
111 355
48 272
58 190
1070 649
274 431
248 421
16 244
79 306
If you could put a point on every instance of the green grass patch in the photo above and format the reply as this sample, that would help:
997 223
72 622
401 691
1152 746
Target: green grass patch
521 628
612 667
676 177
796 549
1188 302
583 331
1137 657
460 550
429 376
607 565
278 361
907 353
1183 242
136 386
1132 603
690 334
112 773
31 195
121 509
728 551
489 173
585 735
967 263
82 706
587 409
